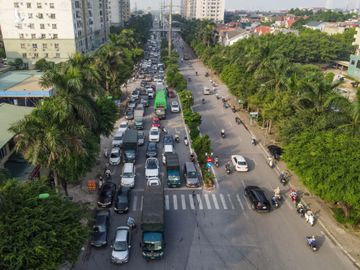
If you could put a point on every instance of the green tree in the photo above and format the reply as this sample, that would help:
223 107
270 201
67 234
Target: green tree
44 65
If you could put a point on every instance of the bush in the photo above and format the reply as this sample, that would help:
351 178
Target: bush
202 145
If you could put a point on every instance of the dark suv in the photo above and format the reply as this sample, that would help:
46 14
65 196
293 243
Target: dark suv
257 198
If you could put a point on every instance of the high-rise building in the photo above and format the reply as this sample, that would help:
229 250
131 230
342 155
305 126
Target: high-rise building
52 30
120 12
203 9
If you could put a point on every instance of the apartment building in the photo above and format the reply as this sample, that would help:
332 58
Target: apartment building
52 29
119 12
204 9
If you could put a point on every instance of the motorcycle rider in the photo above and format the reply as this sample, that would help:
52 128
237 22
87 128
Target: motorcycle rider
253 141
311 240
131 222
309 217
277 193
228 167
271 162
223 133
293 195
216 160
196 73
203 101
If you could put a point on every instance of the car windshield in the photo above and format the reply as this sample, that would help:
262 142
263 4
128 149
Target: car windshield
154 132
152 164
120 246
117 138
99 228
122 199
114 155
167 140
140 135
153 245
123 126
156 121
192 174
243 163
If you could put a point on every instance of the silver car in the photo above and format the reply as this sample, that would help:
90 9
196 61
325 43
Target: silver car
122 244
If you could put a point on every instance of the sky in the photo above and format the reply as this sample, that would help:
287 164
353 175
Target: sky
260 4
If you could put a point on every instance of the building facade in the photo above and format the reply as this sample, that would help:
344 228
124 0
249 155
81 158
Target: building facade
53 30
354 65
119 12
204 9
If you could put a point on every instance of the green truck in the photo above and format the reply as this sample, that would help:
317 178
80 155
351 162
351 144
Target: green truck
153 222
173 170
160 103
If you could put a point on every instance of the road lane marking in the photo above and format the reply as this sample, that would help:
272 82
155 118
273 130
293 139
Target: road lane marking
134 203
199 201
167 204
208 205
141 203
191 199
238 198
223 201
215 201
231 203
175 202
183 202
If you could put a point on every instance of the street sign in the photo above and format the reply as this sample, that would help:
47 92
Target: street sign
209 164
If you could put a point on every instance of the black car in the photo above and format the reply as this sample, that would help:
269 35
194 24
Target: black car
151 149
129 114
257 198
101 227
168 140
122 200
275 151
106 195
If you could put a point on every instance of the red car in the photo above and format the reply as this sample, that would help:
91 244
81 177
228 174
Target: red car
155 122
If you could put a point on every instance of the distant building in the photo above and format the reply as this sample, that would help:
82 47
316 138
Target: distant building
22 88
314 25
262 30
52 30
119 12
9 115
229 37
333 28
204 9
354 65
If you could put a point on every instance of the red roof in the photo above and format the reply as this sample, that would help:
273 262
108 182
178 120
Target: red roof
263 30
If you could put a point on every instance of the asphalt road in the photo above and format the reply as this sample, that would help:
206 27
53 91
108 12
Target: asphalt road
219 230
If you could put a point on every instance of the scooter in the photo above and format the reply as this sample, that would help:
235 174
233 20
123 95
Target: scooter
283 178
203 101
228 169
300 209
238 120
311 241
177 138
107 173
253 141
186 142
131 223
216 161
275 201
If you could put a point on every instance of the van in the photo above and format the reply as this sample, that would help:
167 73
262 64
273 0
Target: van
128 175
191 175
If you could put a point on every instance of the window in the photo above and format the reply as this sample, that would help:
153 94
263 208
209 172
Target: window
36 55
33 36
22 45
57 55
55 36
28 5
54 26
21 36
44 46
30 16
56 45
46 55
52 16
352 62
43 36
77 4
16 5
42 26
24 55
31 25
52 5
358 64
34 45
40 16
38 5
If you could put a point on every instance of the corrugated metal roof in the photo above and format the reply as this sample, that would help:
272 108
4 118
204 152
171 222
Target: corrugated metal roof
10 114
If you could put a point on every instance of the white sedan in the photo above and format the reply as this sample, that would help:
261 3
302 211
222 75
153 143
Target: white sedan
175 106
115 156
239 163
152 167
123 126
154 134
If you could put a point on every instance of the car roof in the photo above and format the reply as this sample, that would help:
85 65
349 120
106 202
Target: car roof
121 233
128 166
238 157
154 128
115 149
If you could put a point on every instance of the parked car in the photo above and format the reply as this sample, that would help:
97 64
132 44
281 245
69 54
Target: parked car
154 134
122 200
239 163
129 114
151 150
152 167
175 106
141 137
115 156
155 122
106 195
122 244
275 151
101 227
123 126
257 198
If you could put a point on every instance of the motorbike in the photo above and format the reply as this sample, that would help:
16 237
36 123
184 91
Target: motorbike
192 157
177 138
275 201
228 169
216 161
203 101
309 217
293 196
238 120
107 173
222 133
300 209
233 109
253 141
131 223
311 241
207 74
189 79
186 142
196 73
226 105
271 162
217 96
283 178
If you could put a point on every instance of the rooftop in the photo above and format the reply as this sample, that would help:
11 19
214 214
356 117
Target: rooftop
10 114
24 83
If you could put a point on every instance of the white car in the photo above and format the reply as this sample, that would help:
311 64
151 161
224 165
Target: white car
123 126
152 167
175 106
153 181
239 163
122 244
115 156
128 175
150 92
154 134
118 138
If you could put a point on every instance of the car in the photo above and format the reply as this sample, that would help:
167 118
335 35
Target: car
150 92
131 105
128 175
123 126
239 163
154 134
175 106
122 244
143 83
275 151
145 101
118 139
101 227
171 94
155 122
152 167
115 156
106 195
129 114
135 94
151 150
257 198
122 200
153 181
141 137
168 139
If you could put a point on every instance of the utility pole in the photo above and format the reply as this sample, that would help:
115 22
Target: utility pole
170 28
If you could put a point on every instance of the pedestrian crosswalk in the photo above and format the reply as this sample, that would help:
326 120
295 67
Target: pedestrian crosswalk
196 201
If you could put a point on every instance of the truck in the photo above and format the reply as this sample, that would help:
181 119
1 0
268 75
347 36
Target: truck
129 145
173 170
153 222
160 104
138 119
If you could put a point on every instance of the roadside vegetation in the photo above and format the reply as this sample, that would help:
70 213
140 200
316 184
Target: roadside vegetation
275 75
